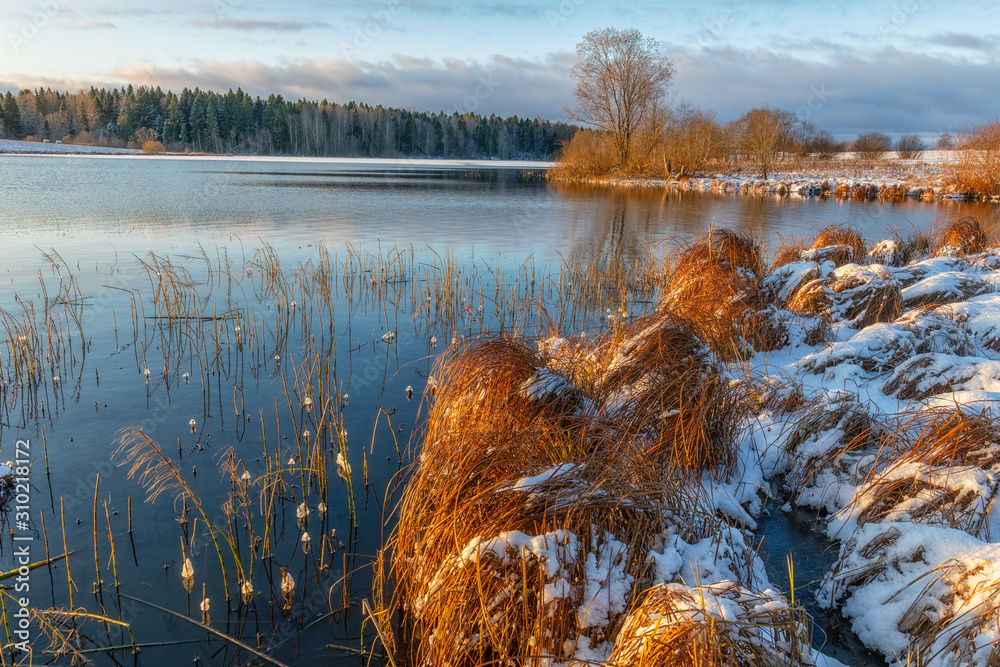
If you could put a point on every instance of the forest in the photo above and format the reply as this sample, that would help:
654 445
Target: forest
235 122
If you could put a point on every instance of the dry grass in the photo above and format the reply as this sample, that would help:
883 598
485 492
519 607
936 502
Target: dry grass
536 458
840 235
844 416
788 251
926 375
951 620
588 153
709 625
715 284
963 236
861 295
955 616
935 459
976 171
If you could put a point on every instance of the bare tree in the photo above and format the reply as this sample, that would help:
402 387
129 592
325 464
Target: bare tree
621 85
946 142
764 132
872 145
910 147
824 146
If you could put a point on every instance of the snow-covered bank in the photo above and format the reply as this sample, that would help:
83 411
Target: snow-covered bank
594 498
923 179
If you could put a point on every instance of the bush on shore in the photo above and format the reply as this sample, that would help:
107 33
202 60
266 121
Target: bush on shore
153 147
976 169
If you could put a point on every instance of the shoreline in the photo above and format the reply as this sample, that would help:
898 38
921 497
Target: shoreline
798 184
71 150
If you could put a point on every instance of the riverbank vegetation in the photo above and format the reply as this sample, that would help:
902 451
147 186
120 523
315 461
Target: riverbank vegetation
596 450
622 93
592 498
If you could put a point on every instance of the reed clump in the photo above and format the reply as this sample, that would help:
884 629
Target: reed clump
715 284
960 236
541 461
862 295
840 244
710 625
833 434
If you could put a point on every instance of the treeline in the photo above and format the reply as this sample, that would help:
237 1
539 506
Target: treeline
234 122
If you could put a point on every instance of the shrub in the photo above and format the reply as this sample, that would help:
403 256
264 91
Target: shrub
976 169
154 147
83 138
872 145
588 153
910 147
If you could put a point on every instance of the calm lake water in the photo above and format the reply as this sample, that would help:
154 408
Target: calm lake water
169 265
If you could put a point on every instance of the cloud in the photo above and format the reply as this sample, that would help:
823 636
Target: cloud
92 25
502 85
248 25
890 91
965 41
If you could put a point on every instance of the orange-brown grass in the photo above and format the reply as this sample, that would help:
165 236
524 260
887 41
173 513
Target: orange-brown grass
677 625
931 456
975 170
840 235
963 233
788 251
534 456
480 550
587 154
715 285
659 389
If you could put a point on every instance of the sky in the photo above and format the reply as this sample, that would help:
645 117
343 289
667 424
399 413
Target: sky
906 66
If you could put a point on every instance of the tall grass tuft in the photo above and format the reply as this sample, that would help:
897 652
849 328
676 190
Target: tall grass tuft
715 284
674 625
963 236
541 456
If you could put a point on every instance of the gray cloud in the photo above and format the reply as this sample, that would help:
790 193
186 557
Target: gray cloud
502 85
248 25
965 41
893 91
92 25
890 91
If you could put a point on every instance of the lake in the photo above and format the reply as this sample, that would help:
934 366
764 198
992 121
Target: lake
262 321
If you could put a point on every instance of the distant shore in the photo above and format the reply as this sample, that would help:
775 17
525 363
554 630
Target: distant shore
11 147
